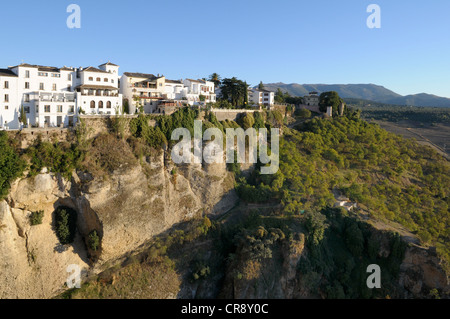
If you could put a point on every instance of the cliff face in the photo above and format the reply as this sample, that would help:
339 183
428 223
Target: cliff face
281 276
127 208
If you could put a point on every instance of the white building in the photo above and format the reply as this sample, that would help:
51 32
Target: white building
261 97
150 92
143 90
53 97
199 92
9 117
97 90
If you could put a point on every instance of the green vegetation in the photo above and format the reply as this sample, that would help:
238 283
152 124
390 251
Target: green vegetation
390 177
303 113
285 97
23 116
11 165
330 99
36 218
235 91
65 224
94 240
58 157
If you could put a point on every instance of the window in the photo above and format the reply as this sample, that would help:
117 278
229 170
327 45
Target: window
108 104
27 74
56 75
42 74
26 98
6 85
92 104
6 97
71 109
69 77
54 87
41 86
27 85
112 81
99 80
59 108
6 107
100 104
26 109
47 108
91 78
105 80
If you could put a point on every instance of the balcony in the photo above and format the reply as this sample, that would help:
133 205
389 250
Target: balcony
49 97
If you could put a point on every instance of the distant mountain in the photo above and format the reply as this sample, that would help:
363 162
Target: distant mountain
422 99
369 92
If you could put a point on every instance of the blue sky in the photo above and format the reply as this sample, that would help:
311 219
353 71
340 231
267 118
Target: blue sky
322 41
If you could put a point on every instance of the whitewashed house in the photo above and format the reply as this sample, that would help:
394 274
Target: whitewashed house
143 90
261 97
54 97
199 92
9 117
97 90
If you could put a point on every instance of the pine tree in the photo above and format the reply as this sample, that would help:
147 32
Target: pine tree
23 116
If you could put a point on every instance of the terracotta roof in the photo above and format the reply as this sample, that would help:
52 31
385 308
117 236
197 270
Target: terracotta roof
47 69
140 75
7 72
96 87
173 82
92 69
198 81
24 65
109 63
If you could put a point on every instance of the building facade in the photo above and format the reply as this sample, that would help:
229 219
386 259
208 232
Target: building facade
154 94
261 97
142 91
312 99
54 97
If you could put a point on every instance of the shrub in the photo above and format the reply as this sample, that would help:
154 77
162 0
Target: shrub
93 240
303 113
36 218
65 225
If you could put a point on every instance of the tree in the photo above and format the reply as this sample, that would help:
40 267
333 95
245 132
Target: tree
216 79
330 99
279 96
303 113
65 225
23 116
261 86
93 240
11 165
235 91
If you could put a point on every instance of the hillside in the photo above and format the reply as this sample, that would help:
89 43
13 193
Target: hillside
212 231
370 92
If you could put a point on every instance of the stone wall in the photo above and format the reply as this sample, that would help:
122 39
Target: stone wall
231 115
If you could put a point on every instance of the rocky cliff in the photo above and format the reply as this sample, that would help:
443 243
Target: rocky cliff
127 208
